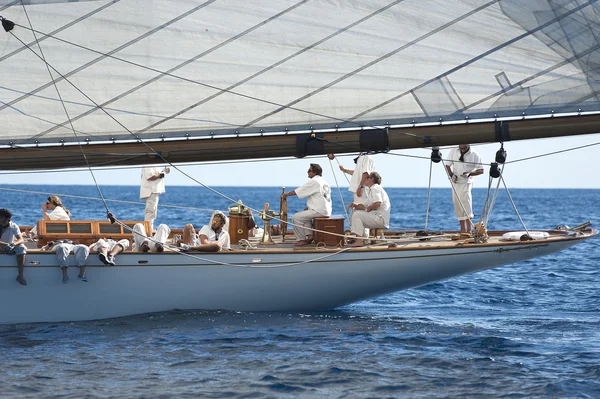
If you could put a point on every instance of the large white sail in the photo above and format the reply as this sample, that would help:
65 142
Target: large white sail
178 68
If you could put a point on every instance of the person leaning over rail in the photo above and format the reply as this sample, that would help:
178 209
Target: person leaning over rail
142 243
11 242
151 187
212 237
57 212
318 204
373 214
63 249
461 165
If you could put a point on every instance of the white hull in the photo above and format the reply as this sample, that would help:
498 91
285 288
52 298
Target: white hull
244 281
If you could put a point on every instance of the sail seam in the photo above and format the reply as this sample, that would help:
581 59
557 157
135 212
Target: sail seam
474 59
106 55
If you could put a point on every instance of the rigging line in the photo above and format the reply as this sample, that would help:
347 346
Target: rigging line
278 63
74 170
14 2
114 51
555 152
85 105
43 57
99 199
189 61
187 79
493 201
513 204
474 59
428 195
62 28
263 266
33 116
482 215
339 189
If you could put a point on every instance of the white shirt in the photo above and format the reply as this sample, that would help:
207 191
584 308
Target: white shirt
364 164
10 233
318 195
59 213
223 238
378 194
147 187
472 163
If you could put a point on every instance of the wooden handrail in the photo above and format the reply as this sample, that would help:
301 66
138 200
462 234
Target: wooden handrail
84 231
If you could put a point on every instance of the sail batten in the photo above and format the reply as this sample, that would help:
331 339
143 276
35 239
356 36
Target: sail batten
183 69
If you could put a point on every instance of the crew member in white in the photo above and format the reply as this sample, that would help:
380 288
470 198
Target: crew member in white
215 232
57 212
318 204
374 213
461 165
151 187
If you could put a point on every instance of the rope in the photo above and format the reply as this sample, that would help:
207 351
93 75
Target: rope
493 202
99 199
338 187
43 58
157 154
514 206
429 195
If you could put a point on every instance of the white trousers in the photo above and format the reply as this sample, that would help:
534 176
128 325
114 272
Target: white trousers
160 237
109 244
362 221
81 254
462 195
302 223
151 210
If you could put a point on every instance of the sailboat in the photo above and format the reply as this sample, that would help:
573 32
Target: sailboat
129 82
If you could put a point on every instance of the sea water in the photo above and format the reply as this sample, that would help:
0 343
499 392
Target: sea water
530 329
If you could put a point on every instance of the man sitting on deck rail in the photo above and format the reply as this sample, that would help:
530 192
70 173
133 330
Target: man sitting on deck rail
11 242
374 213
65 247
318 204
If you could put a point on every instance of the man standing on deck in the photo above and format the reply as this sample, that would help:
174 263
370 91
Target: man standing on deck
461 165
151 187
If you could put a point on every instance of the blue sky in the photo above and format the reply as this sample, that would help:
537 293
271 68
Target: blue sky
573 169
